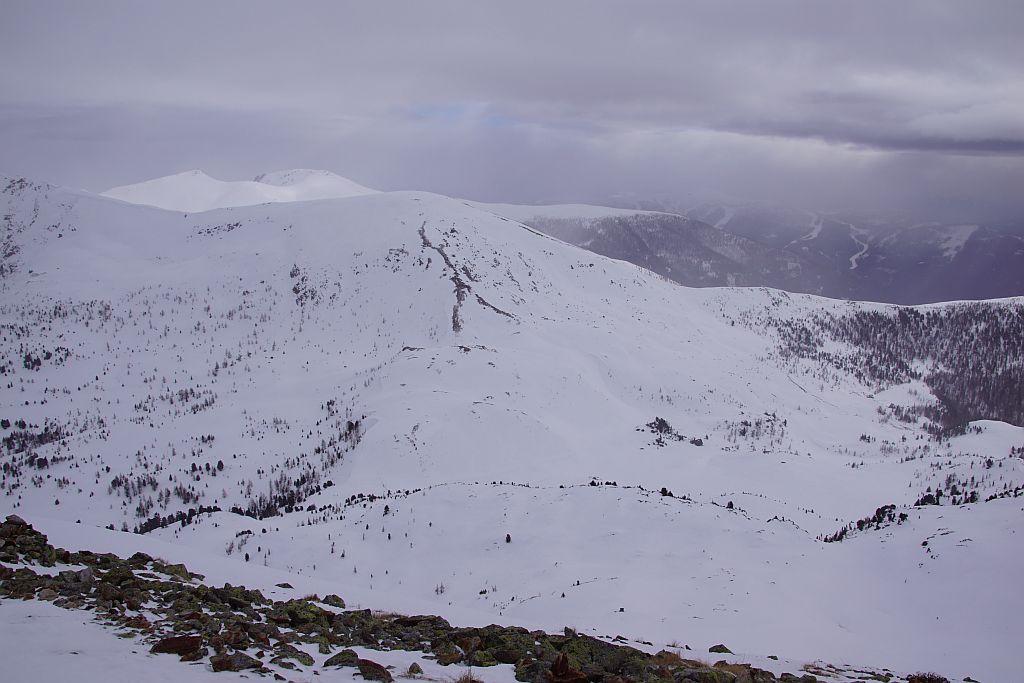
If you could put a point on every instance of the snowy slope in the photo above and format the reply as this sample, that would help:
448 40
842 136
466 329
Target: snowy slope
194 191
464 368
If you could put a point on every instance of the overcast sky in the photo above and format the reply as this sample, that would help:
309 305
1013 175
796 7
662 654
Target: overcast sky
875 104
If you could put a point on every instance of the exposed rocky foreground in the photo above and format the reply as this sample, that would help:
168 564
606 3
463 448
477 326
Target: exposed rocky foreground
236 629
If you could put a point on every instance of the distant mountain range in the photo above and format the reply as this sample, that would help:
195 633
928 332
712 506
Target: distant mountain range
847 254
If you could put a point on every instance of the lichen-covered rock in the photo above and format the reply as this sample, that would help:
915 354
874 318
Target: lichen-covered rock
747 674
139 560
22 543
118 575
530 670
343 658
428 621
562 672
703 675
299 613
449 657
284 651
483 658
178 570
334 601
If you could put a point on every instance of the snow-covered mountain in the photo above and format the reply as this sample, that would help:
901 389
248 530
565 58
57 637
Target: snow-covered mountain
844 255
370 392
194 191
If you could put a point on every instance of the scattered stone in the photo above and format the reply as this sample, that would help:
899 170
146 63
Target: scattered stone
415 669
720 649
47 594
284 585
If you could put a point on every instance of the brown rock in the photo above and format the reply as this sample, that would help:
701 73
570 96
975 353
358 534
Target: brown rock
177 645
236 661
747 674
372 671
561 672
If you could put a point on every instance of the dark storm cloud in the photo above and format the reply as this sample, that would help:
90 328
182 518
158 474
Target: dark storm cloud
800 101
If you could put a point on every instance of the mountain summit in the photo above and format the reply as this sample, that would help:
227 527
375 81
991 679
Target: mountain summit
195 191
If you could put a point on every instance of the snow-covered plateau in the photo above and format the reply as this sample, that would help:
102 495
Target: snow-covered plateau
427 407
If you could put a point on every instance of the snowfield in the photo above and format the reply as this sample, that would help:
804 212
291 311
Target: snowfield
406 378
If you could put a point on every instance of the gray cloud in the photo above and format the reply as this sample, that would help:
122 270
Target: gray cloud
912 104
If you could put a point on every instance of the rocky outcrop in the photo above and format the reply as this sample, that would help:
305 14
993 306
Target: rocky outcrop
233 621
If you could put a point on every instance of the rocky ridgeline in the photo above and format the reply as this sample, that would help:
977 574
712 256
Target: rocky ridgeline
247 631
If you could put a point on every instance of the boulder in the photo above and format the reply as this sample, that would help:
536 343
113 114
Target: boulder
747 674
236 661
720 649
343 658
421 621
178 645
372 671
334 601
702 675
530 670
562 672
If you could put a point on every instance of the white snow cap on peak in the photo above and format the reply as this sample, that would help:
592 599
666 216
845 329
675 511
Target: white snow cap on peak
194 191
314 184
